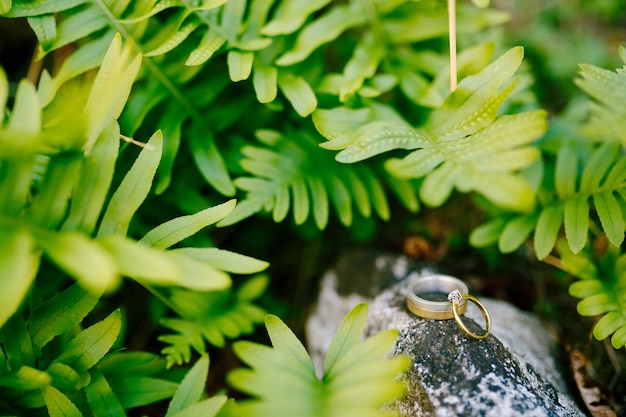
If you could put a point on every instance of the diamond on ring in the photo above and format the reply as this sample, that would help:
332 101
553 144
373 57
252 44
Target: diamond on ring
455 297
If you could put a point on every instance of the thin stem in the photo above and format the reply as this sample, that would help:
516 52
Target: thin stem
452 34
136 142
34 69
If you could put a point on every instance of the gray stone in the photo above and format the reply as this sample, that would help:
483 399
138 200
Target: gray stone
513 372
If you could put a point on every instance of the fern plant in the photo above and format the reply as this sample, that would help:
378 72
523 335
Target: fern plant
600 287
581 188
464 144
56 213
48 361
356 380
294 168
280 45
34 221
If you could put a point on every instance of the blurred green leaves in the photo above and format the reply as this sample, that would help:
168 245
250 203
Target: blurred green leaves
356 379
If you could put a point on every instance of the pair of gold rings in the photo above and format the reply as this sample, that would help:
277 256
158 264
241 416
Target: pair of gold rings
434 286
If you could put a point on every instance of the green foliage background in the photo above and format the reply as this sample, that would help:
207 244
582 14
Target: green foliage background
152 135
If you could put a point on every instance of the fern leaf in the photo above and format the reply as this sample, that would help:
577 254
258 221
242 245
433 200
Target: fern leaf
363 64
600 291
608 89
576 222
379 137
298 92
597 166
462 145
133 189
566 171
25 8
169 233
211 42
59 314
611 217
547 229
94 182
212 316
292 175
320 201
291 15
515 232
58 404
225 260
487 234
323 30
265 80
348 336
82 259
45 30
119 66
282 379
602 180
76 26
191 387
239 65
172 35
141 262
209 160
100 397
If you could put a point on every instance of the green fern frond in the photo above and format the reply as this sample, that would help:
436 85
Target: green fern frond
607 112
600 287
581 188
292 172
464 144
356 380
211 317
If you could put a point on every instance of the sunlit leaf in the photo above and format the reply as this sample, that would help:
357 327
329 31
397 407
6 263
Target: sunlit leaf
347 337
133 189
19 261
547 229
60 313
139 261
576 222
486 234
90 345
82 258
58 404
240 65
298 92
173 231
225 260
94 182
191 387
111 88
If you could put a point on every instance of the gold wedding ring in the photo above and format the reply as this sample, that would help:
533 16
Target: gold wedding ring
457 294
457 314
434 284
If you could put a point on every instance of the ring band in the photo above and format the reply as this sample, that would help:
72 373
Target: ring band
435 310
456 310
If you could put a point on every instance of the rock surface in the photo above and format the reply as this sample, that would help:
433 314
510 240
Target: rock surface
511 373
